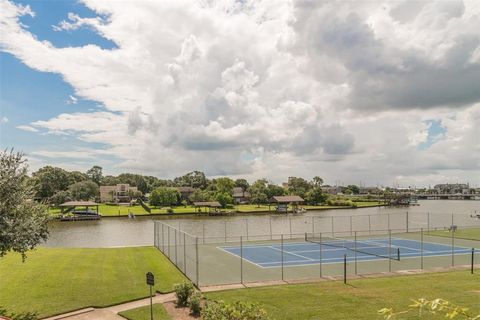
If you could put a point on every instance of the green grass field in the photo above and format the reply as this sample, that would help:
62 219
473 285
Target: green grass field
143 313
57 280
360 299
466 233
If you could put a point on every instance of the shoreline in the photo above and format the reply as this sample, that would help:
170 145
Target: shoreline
233 214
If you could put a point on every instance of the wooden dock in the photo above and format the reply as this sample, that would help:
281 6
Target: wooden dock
82 217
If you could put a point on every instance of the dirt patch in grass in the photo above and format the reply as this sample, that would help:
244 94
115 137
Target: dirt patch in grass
178 313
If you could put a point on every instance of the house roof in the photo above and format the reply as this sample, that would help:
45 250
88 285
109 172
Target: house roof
207 204
287 199
79 203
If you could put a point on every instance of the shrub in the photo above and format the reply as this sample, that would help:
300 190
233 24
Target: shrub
230 206
169 210
183 291
21 316
238 311
195 303
349 203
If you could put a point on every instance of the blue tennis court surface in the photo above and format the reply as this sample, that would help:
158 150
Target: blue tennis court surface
305 253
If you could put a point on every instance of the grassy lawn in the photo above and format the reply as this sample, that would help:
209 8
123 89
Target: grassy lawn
361 299
57 280
111 210
467 233
368 204
114 210
143 313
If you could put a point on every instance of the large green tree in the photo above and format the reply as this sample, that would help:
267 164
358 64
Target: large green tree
224 198
48 180
76 176
242 183
23 222
224 185
194 179
315 196
84 190
164 197
95 174
298 186
259 191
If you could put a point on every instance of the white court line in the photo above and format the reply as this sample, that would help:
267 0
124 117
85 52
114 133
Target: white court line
434 243
235 255
338 262
298 255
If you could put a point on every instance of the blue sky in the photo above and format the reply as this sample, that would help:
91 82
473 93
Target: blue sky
375 91
28 95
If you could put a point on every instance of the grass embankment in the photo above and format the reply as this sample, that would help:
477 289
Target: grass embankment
143 313
57 280
361 299
466 233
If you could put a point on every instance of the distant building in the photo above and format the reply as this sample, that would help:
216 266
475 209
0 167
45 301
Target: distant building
119 193
185 193
240 196
453 188
332 190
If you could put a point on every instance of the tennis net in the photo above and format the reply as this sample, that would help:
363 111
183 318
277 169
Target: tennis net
369 247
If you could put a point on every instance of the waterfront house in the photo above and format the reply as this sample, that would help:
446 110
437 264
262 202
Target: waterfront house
121 193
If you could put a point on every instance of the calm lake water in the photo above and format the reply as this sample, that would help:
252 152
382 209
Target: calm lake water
112 232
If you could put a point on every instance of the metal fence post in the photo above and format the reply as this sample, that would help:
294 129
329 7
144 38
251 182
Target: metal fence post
473 260
333 227
184 254
290 223
355 251
155 234
351 227
163 239
281 242
452 221
313 225
197 262
389 250
241 259
369 225
175 239
453 247
407 221
271 234
168 244
421 248
320 249
428 222
345 268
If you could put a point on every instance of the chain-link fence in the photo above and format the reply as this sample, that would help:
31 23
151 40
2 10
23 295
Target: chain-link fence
289 248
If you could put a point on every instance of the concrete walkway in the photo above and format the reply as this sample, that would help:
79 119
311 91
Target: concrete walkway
110 313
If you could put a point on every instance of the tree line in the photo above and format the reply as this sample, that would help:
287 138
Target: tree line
56 185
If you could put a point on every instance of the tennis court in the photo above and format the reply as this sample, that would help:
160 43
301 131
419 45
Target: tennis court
333 251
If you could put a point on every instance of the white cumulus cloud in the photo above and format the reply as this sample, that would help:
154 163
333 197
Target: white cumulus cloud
271 87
